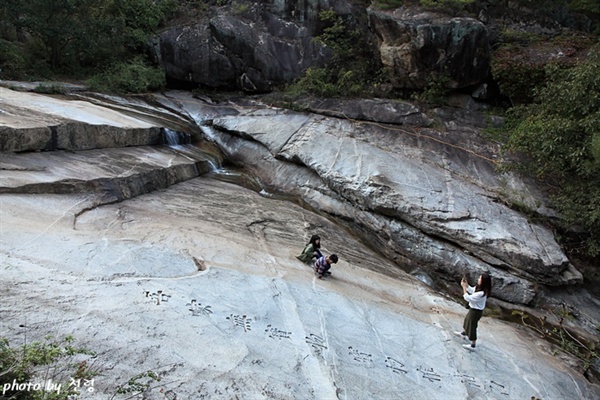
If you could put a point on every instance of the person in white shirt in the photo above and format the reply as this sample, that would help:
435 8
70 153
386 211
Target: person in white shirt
476 296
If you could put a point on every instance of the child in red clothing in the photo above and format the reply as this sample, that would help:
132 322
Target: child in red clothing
323 264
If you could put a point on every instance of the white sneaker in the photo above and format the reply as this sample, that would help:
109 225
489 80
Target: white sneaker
468 347
460 335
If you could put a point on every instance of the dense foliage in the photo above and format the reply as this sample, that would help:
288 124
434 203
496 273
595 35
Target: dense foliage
48 38
449 5
353 67
560 135
135 76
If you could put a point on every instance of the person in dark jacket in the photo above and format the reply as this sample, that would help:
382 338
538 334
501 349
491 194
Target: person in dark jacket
312 250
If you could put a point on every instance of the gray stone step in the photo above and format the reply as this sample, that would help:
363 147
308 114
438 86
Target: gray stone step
119 173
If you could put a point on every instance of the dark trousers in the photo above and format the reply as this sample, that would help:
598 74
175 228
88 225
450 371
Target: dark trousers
470 323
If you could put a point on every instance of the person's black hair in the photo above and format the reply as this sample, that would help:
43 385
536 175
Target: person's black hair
313 240
333 258
486 285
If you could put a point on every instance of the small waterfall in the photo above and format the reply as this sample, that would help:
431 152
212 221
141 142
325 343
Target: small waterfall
182 143
207 151
232 174
175 138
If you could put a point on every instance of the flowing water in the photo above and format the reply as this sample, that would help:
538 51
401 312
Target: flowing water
175 138
181 142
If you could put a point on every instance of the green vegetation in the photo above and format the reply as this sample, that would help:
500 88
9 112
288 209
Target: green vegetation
588 7
138 384
389 4
559 134
452 5
239 8
586 351
45 39
436 92
50 360
353 68
135 76
516 74
49 88
447 5
54 369
519 65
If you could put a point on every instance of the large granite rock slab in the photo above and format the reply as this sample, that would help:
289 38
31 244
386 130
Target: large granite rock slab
199 283
427 198
116 173
425 195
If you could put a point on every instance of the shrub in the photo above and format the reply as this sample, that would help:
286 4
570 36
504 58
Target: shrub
138 383
559 134
51 359
352 68
389 4
49 88
453 5
519 64
12 62
132 77
436 92
517 76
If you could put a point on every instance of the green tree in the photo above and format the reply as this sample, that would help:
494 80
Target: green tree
84 34
56 25
136 19
560 134
592 6
134 76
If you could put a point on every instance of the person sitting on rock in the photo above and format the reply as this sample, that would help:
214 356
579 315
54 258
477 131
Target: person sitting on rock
323 264
311 250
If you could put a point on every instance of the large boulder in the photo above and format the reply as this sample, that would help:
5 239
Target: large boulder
266 45
418 47
252 52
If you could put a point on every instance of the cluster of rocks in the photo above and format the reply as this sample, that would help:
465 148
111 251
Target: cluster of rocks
258 46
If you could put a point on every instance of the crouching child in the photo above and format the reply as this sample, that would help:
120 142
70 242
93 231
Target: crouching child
323 264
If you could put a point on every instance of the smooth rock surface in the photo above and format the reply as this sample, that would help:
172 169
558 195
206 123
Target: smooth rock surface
430 198
198 280
33 122
239 316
